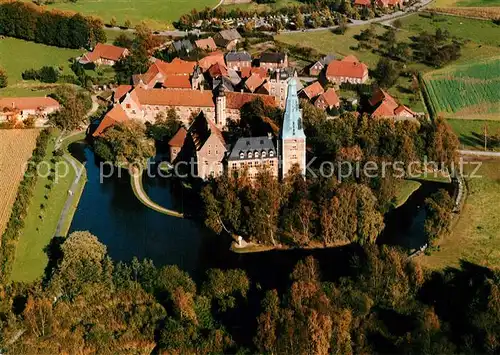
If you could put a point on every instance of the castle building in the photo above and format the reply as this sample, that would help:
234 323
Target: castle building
253 153
292 139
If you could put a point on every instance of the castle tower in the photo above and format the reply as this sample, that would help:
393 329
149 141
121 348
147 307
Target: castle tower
292 144
220 108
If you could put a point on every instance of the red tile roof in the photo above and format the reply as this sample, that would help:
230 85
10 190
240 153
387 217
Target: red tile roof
349 67
330 97
362 2
246 72
235 100
211 59
379 95
28 103
217 70
121 91
206 44
115 115
172 97
313 90
178 138
105 51
388 106
253 82
176 67
177 82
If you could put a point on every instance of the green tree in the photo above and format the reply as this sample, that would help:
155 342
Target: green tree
74 107
387 73
165 126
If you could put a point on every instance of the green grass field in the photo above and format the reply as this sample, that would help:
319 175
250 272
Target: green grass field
467 91
30 258
465 3
252 6
476 235
471 132
157 14
405 188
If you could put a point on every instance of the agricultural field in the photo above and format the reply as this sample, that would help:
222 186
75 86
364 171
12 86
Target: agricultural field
16 146
475 236
157 14
465 3
471 133
466 91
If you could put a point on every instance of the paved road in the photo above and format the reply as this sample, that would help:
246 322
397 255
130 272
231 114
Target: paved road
136 181
480 153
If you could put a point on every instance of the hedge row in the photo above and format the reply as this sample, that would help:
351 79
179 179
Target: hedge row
20 207
56 28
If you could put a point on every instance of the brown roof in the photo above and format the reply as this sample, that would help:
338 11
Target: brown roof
211 59
388 107
201 129
105 51
121 91
176 67
330 97
313 90
206 44
28 103
217 70
348 67
115 115
253 82
379 95
362 2
235 100
172 97
177 82
246 72
178 138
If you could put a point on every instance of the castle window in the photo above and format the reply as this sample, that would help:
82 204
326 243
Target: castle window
249 164
250 155
264 154
234 165
256 154
242 155
271 162
271 153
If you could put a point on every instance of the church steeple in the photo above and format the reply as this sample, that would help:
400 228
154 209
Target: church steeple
292 137
292 122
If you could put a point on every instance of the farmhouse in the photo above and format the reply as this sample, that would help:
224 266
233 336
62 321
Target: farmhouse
227 39
238 60
327 100
104 54
20 108
206 44
273 60
386 106
347 70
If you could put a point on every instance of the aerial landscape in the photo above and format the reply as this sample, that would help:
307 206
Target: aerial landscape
250 177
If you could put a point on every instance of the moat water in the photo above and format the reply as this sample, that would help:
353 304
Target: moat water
110 210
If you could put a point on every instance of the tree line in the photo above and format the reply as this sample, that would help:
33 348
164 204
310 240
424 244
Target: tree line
87 303
55 28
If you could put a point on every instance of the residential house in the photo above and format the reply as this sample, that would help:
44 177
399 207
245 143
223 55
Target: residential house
238 60
311 91
347 70
389 3
252 154
327 100
21 108
254 82
116 115
203 147
321 64
206 44
362 3
182 46
227 39
247 72
386 106
211 59
273 60
104 54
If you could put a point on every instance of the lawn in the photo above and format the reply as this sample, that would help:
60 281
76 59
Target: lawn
467 91
40 223
405 188
476 235
471 132
157 14
253 6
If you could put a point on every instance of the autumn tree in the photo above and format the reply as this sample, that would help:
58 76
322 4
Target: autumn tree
75 104
438 215
3 78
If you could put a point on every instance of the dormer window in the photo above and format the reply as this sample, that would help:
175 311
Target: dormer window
271 153
256 154
250 155
242 155
264 154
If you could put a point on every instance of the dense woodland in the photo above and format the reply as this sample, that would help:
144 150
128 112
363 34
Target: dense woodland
55 28
86 303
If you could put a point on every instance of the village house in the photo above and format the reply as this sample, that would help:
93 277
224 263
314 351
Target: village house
273 60
145 104
250 154
175 75
228 39
206 44
389 3
238 60
327 100
247 72
321 64
254 82
21 108
387 107
103 54
182 46
362 3
347 70
311 91
206 62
